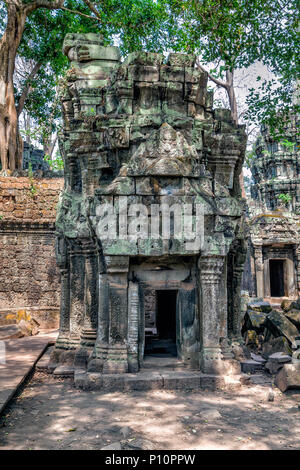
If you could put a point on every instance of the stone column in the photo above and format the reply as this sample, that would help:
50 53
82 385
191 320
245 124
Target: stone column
210 273
77 307
101 345
64 319
259 274
89 332
236 301
133 326
117 354
62 258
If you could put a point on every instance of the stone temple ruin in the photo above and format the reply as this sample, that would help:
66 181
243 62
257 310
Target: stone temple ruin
275 211
143 134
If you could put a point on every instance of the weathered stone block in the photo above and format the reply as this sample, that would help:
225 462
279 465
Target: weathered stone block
279 325
289 377
294 316
250 366
254 320
143 73
260 306
275 345
171 74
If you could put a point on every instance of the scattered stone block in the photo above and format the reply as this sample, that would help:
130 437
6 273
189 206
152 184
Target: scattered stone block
280 344
295 304
286 304
250 366
294 316
273 367
280 357
254 320
288 377
279 325
257 358
260 306
251 338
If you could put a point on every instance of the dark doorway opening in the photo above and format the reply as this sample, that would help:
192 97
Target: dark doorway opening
163 343
277 277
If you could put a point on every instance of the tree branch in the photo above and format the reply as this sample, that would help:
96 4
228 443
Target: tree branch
26 88
213 79
92 8
76 12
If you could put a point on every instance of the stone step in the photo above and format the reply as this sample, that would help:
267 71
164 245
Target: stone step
156 362
166 380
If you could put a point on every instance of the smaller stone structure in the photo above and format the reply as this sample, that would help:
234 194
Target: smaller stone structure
274 221
35 157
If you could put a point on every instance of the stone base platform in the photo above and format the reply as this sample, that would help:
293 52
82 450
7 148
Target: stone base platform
156 374
158 380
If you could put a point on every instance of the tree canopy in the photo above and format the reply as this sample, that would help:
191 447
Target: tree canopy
226 36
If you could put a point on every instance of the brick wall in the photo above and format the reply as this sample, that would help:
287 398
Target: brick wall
29 279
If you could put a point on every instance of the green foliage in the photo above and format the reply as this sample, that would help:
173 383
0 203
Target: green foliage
288 144
231 35
249 157
284 198
55 164
133 24
238 33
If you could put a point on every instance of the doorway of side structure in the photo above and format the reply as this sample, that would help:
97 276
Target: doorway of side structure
277 271
162 341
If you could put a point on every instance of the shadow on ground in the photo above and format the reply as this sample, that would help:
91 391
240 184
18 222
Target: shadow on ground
51 414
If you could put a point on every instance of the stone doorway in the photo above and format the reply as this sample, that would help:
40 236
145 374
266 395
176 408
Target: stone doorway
163 342
277 285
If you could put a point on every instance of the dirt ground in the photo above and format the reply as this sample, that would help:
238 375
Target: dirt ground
50 414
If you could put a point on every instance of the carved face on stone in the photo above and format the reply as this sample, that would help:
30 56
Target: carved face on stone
167 138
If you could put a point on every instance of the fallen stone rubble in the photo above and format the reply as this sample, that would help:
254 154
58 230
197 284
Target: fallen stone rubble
272 337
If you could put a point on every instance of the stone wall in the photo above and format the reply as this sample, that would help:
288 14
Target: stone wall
29 279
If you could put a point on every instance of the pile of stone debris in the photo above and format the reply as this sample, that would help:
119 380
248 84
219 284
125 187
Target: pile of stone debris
272 337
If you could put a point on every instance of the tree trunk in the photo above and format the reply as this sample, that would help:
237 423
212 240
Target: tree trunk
27 88
231 95
11 144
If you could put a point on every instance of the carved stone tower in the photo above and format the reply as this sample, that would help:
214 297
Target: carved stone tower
275 210
141 141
